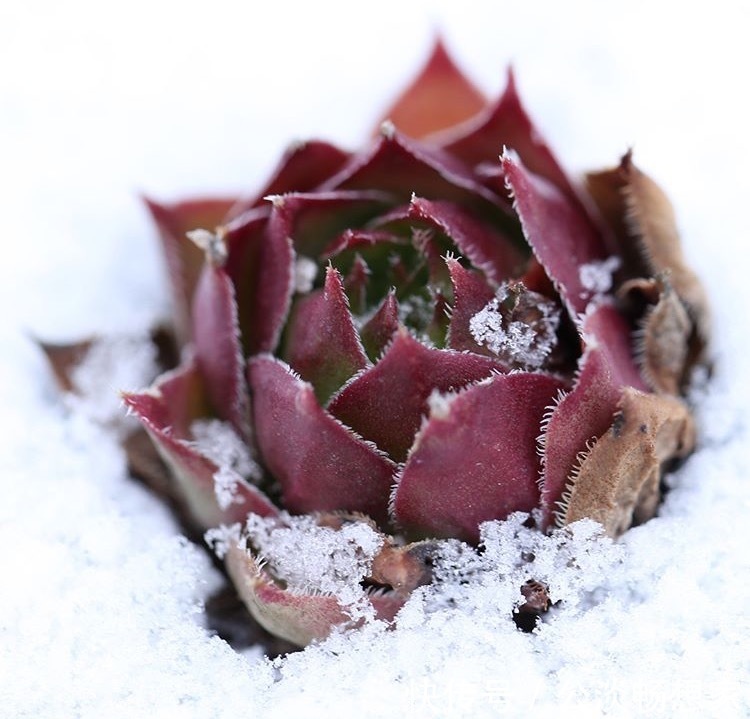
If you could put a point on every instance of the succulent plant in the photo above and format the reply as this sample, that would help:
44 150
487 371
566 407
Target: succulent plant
389 347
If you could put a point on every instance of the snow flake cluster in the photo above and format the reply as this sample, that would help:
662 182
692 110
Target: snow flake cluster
223 446
526 344
596 277
317 559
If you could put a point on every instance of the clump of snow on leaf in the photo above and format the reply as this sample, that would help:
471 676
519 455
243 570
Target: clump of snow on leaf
315 559
596 277
222 538
218 441
305 272
523 341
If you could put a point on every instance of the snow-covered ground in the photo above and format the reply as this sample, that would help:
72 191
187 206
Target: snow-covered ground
100 600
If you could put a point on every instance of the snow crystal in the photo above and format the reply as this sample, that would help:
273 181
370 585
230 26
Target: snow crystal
218 441
596 277
305 272
519 342
317 559
439 403
222 538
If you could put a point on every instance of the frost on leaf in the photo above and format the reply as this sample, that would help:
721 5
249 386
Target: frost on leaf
312 558
305 272
596 277
518 326
222 538
218 442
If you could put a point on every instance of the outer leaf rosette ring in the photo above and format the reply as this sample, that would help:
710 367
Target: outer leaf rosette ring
400 343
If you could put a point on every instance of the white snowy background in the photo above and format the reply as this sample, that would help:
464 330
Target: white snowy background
100 598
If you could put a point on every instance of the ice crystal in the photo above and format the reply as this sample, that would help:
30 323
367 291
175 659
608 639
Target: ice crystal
317 559
221 444
523 338
597 276
305 272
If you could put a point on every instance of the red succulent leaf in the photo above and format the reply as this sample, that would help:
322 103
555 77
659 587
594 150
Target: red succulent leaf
377 332
299 618
604 327
488 249
559 233
184 259
319 463
471 293
475 458
386 403
302 168
506 123
166 411
357 238
260 264
586 413
312 220
441 96
402 166
217 347
321 344
355 284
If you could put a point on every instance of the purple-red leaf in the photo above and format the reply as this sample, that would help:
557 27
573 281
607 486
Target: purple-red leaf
322 345
359 239
377 332
217 347
319 463
487 248
506 123
386 403
167 411
299 618
471 293
302 168
184 259
402 166
312 220
439 97
475 459
560 234
261 267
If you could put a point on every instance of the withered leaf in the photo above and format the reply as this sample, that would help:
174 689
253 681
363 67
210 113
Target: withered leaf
618 481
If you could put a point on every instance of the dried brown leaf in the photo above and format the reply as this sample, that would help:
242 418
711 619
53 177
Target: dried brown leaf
617 482
637 209
663 341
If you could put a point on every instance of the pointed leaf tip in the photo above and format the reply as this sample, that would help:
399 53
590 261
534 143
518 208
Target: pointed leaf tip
320 463
440 97
322 343
386 403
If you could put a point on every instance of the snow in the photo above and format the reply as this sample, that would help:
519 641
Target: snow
314 559
596 277
305 272
100 607
218 441
521 343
